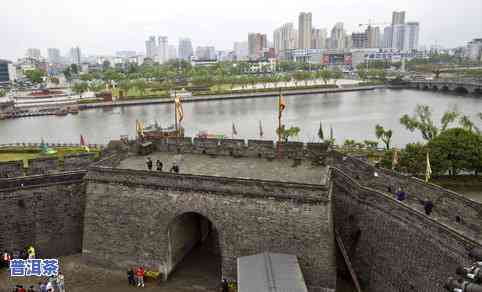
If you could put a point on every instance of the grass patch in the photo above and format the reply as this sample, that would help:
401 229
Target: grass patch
26 153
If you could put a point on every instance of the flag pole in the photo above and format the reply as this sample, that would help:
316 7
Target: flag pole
175 111
279 125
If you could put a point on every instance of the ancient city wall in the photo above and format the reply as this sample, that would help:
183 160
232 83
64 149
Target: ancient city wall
78 161
132 210
11 169
239 147
447 204
46 211
43 165
392 246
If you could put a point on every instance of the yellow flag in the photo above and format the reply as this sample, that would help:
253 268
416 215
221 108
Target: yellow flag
428 172
179 111
395 159
141 129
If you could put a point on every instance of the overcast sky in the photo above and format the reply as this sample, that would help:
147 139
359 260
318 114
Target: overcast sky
106 26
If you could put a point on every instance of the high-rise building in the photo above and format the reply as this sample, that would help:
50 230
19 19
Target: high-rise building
398 17
53 56
304 30
338 36
399 36
474 50
172 52
285 38
387 37
4 73
318 38
412 33
241 50
33 53
348 42
75 56
151 47
359 40
185 49
257 43
162 49
373 34
205 53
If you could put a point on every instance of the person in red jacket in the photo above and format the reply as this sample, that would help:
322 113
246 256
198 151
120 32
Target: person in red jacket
140 277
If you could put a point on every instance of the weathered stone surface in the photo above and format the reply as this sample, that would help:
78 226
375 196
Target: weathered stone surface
447 204
11 169
132 210
393 247
43 165
78 161
46 211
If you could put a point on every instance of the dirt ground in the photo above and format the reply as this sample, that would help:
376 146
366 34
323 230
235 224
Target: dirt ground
82 276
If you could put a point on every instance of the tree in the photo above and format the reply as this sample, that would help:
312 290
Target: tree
456 150
384 135
320 133
67 73
362 74
468 125
54 80
74 69
422 121
325 75
336 74
2 93
86 77
287 133
34 75
80 87
141 86
371 144
105 65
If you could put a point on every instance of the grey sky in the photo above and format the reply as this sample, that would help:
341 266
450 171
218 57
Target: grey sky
105 26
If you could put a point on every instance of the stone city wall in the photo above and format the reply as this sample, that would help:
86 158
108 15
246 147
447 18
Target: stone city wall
239 147
78 161
132 210
11 169
43 165
392 246
447 204
46 211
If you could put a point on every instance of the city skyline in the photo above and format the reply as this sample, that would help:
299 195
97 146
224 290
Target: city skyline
101 32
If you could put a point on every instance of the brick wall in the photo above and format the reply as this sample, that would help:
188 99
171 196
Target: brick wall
392 246
42 165
447 204
132 210
11 169
78 161
44 211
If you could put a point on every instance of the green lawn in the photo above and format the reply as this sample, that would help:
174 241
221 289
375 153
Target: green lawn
21 153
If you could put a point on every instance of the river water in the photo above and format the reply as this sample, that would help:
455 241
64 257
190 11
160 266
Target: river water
352 115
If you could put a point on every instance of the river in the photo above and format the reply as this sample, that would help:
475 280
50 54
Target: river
352 115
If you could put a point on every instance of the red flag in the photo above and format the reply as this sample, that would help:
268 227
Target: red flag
82 141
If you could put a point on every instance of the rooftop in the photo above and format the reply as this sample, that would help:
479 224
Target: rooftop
226 166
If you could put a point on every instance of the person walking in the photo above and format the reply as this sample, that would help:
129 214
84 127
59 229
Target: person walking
31 252
159 165
149 163
428 206
140 277
130 277
400 194
60 282
225 286
174 168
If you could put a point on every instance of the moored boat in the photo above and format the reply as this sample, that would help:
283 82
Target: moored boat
206 135
61 112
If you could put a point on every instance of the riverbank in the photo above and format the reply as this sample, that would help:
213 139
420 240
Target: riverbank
276 92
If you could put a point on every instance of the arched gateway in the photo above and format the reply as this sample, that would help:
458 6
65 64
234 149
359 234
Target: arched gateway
193 240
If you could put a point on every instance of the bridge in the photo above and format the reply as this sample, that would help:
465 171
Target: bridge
473 87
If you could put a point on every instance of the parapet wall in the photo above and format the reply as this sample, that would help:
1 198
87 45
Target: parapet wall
11 169
447 204
392 246
78 161
239 147
46 211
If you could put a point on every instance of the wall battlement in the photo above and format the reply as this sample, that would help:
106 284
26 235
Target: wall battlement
11 169
239 147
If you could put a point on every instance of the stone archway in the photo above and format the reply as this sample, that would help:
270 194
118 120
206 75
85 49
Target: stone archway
193 247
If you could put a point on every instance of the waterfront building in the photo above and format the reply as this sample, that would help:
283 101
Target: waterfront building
285 38
304 30
33 53
257 43
162 49
338 36
126 54
412 30
373 36
474 50
75 56
206 53
185 49
4 71
318 38
53 56
172 54
241 51
359 40
151 47
398 17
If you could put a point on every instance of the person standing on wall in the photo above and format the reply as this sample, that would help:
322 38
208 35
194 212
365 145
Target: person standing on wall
400 194
149 163
159 165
